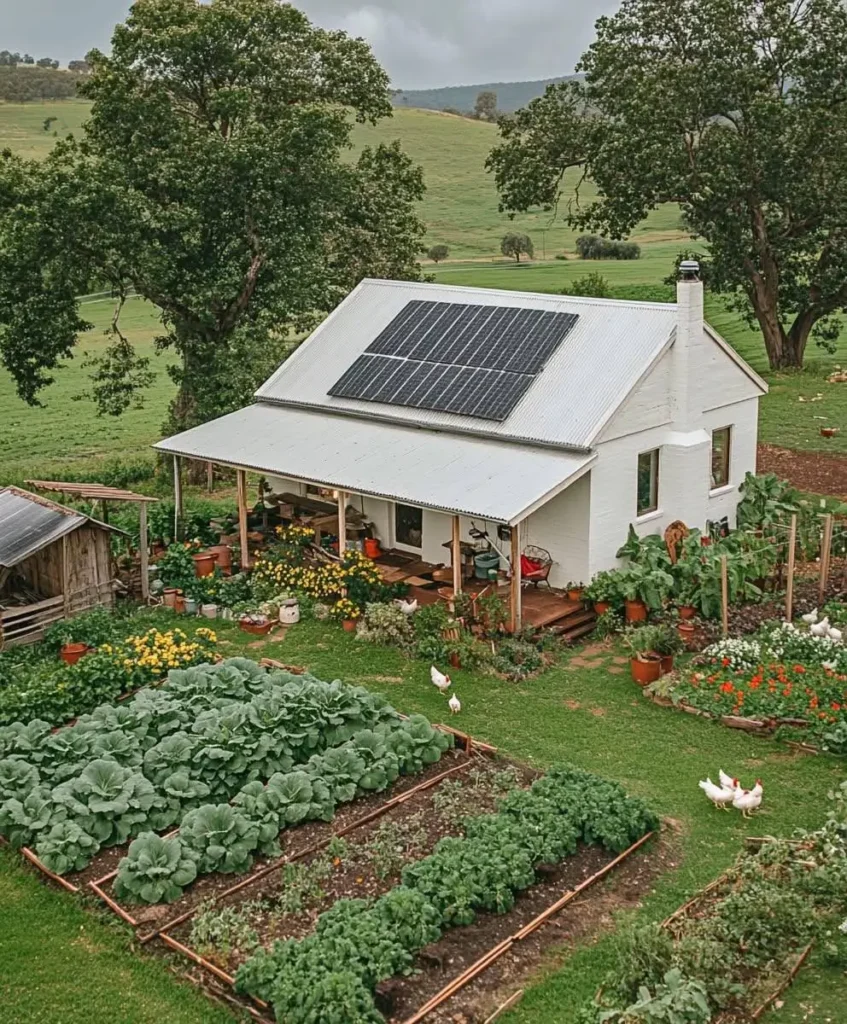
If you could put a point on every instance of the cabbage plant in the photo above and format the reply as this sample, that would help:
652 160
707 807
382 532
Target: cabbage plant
22 819
155 870
253 803
66 847
220 837
108 801
17 778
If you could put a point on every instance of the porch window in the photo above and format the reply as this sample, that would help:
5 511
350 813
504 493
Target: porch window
408 525
721 442
648 482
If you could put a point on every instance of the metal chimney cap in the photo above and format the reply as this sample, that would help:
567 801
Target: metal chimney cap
690 270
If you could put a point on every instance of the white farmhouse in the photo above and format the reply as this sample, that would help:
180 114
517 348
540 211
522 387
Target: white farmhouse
558 420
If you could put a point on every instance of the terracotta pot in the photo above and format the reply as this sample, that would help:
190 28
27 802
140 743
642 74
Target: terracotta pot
223 556
349 625
179 604
158 550
71 653
601 607
204 563
455 661
256 628
645 670
372 548
667 664
687 611
636 611
169 596
686 630
575 594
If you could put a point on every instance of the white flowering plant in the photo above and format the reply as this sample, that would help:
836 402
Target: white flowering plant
790 643
735 654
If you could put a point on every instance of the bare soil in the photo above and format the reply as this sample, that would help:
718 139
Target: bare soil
809 471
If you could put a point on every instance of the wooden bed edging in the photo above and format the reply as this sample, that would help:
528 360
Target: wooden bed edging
307 851
513 1000
31 857
489 958
118 909
792 974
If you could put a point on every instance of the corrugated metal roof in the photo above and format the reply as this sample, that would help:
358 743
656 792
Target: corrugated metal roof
476 477
592 371
29 523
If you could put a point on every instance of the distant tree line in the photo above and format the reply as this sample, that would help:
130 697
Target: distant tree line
24 78
593 247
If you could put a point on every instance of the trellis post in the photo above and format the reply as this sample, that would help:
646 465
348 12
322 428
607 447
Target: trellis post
724 597
244 541
789 583
826 555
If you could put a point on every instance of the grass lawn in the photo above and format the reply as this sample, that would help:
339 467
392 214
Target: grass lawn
589 715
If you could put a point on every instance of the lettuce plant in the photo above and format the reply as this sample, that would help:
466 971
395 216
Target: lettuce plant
298 796
171 754
416 743
24 742
341 768
121 747
155 870
382 766
220 837
66 847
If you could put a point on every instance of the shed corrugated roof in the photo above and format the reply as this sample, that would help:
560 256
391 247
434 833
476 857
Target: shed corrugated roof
28 524
592 371
479 477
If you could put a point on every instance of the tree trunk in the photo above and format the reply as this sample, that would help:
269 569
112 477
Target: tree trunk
785 350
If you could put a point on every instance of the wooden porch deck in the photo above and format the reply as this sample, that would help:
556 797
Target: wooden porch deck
541 607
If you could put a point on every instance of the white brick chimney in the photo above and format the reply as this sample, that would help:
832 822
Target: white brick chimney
689 335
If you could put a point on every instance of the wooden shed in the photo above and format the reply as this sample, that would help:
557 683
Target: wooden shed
54 563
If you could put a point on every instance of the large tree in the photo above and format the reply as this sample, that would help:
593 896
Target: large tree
735 109
213 179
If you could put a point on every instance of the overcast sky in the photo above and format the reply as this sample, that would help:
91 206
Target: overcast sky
422 43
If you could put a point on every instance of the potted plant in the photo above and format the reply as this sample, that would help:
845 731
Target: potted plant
204 563
347 613
644 589
71 651
603 591
667 643
575 591
645 664
255 622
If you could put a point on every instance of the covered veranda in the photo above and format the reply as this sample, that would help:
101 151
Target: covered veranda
458 476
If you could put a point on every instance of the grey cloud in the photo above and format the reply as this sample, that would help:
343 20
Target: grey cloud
422 44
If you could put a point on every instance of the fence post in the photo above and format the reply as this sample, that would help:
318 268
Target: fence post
789 583
724 598
826 554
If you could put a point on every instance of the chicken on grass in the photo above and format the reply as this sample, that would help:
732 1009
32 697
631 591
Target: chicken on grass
439 679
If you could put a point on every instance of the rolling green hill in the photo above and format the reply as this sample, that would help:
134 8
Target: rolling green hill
511 96
460 210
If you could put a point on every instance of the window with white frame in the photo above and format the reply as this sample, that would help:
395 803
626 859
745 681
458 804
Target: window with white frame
648 483
721 445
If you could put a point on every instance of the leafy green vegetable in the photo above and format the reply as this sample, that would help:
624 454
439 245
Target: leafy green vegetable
66 847
155 870
220 837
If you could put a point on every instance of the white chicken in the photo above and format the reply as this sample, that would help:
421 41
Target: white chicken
727 781
831 666
748 800
407 607
811 618
835 634
720 796
454 704
820 628
439 679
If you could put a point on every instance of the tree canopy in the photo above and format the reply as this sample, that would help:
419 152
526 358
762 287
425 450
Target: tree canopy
485 107
514 244
212 179
735 109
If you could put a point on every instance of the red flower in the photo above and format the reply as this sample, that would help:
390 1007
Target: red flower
725 662
727 688
799 669
835 706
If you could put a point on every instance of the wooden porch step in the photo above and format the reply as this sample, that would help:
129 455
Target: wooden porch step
570 634
540 615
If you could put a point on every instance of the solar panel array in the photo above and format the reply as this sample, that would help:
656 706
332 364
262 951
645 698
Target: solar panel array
452 357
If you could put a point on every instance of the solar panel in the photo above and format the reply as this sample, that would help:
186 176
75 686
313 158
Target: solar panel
453 357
